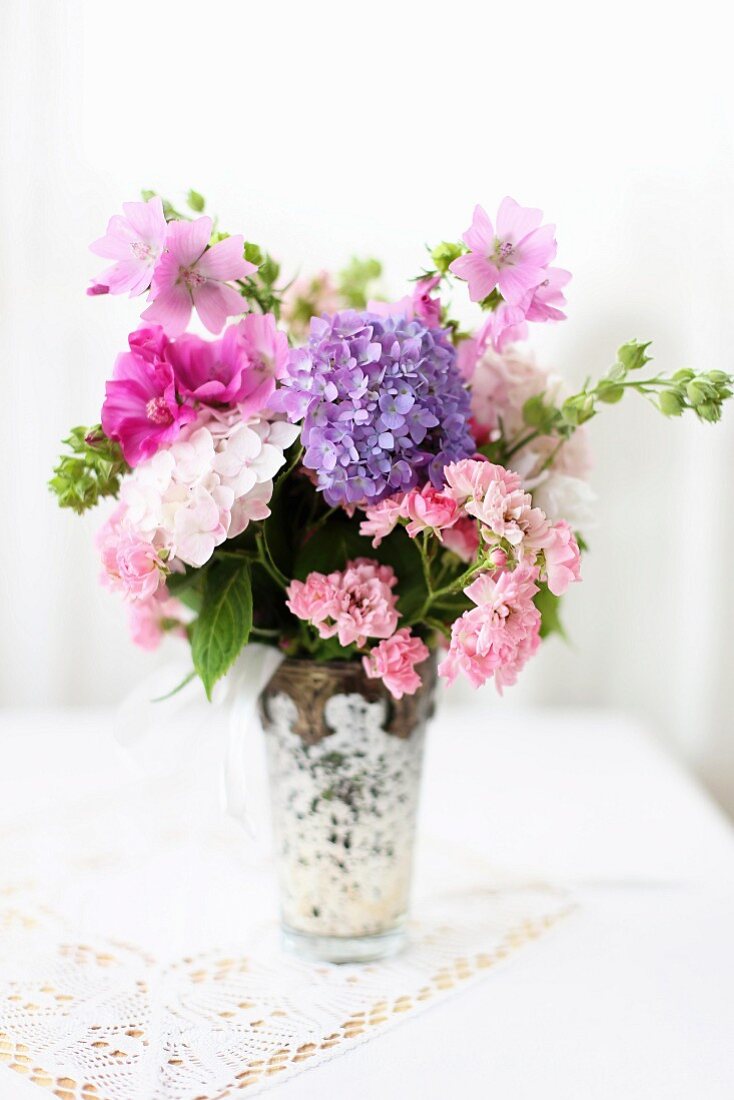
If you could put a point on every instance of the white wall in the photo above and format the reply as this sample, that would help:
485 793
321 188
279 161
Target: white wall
321 130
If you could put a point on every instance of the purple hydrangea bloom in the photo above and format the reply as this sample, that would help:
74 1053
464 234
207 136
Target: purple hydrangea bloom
383 405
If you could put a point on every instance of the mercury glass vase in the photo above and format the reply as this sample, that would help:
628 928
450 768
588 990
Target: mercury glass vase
345 762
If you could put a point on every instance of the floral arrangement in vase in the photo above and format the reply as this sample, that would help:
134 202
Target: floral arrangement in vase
365 487
340 477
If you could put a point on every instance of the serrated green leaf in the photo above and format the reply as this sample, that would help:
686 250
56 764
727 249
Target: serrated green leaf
224 622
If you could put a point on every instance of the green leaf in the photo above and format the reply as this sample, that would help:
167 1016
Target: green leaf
195 201
445 253
224 622
330 548
548 605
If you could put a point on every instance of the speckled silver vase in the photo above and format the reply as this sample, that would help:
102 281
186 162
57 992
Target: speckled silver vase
345 762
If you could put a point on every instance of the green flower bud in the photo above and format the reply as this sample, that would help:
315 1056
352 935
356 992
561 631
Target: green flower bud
445 253
609 392
670 402
709 411
684 375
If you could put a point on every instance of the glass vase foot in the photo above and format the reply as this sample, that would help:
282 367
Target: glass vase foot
344 949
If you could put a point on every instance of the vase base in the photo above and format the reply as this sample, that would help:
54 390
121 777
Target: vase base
344 949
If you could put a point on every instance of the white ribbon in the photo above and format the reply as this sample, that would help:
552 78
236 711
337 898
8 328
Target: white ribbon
157 733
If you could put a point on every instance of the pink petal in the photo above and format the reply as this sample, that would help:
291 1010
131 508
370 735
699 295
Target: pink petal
514 221
165 273
115 245
224 261
147 219
480 234
480 274
187 240
172 309
514 282
539 247
215 302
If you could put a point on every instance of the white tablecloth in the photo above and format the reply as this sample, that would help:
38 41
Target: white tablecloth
631 997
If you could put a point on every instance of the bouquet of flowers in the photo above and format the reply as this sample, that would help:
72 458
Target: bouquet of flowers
339 476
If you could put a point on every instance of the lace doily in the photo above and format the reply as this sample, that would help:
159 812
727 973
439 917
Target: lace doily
139 957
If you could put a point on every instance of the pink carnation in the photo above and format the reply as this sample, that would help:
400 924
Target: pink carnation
562 558
515 257
150 619
354 605
500 634
393 661
428 508
495 497
463 538
189 274
132 565
382 518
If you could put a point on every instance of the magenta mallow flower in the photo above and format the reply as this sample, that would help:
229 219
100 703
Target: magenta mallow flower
189 274
240 369
500 634
514 256
355 604
135 241
140 410
393 661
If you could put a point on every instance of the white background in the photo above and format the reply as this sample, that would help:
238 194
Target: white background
322 130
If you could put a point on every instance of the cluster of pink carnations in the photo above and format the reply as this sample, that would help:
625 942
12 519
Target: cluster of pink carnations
203 436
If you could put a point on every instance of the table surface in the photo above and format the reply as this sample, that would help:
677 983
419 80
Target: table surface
633 996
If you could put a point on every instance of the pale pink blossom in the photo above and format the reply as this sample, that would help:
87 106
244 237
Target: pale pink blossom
382 518
495 497
201 523
307 297
543 302
419 304
428 508
135 241
149 620
469 478
515 257
354 605
393 661
463 538
132 565
189 274
562 559
563 497
496 637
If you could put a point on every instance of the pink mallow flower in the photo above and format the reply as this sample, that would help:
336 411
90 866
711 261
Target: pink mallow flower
562 559
542 303
500 634
141 411
354 605
419 304
393 661
515 257
150 619
135 241
190 274
429 509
